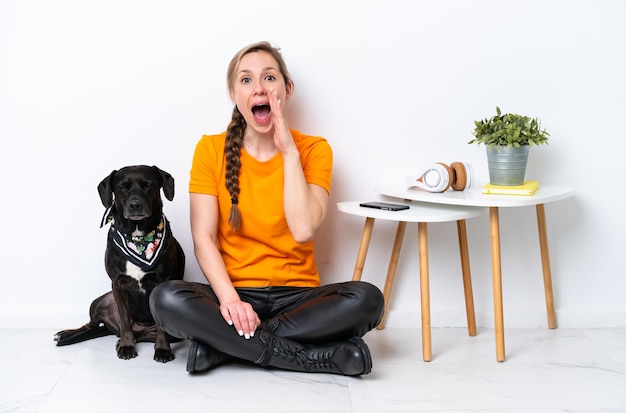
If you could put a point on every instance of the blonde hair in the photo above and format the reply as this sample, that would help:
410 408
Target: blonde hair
237 126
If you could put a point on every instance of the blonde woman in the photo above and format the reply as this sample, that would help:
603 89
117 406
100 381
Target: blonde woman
258 193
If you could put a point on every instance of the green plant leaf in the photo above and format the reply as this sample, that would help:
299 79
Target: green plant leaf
508 130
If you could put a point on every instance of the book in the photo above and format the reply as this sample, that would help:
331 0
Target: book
527 188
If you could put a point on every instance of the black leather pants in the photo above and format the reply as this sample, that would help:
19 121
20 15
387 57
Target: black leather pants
322 314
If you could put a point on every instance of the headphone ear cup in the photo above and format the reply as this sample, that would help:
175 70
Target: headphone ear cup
462 176
448 179
435 178
459 176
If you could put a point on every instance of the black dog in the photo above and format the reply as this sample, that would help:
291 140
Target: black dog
141 252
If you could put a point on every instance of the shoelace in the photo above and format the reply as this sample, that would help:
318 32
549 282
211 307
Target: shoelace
321 360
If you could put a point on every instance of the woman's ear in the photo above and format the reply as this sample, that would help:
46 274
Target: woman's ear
288 90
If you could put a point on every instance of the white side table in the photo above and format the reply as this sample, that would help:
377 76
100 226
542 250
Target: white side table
422 214
475 197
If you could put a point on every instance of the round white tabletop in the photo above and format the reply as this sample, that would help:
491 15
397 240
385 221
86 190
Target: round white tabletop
417 212
475 197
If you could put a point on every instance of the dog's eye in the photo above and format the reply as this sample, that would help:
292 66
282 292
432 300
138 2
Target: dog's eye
123 186
146 184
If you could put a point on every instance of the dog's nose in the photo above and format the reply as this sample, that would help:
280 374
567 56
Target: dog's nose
134 205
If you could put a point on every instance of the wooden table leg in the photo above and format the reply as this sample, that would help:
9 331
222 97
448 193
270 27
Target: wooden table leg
545 262
422 236
391 271
467 277
496 269
365 243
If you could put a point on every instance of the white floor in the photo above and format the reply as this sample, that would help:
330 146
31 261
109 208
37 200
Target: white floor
548 371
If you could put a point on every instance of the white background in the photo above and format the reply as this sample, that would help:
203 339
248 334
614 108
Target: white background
87 87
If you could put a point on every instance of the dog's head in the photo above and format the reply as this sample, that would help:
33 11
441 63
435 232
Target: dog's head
136 191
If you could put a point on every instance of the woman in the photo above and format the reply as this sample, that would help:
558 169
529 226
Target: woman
258 193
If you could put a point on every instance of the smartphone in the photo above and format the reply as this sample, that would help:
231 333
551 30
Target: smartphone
384 206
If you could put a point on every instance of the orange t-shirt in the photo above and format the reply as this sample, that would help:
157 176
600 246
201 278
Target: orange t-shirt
263 253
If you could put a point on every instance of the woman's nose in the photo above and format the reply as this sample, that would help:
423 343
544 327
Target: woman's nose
259 89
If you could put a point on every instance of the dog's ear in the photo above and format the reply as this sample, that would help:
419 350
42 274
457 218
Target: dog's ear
106 191
168 183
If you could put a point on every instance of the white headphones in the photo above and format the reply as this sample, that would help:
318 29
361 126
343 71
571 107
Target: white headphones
438 177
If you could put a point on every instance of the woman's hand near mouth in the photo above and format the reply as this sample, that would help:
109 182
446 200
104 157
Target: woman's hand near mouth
282 136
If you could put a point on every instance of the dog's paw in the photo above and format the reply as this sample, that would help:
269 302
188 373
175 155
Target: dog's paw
126 352
163 355
64 337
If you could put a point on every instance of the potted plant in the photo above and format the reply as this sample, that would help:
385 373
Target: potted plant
508 138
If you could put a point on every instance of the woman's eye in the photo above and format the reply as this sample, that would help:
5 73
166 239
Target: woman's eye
270 77
245 80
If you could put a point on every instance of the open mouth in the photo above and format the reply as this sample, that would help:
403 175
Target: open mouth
261 113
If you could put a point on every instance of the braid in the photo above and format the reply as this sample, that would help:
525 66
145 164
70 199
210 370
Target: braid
232 149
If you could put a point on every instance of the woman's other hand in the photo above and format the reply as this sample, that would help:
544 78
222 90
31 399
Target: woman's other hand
241 316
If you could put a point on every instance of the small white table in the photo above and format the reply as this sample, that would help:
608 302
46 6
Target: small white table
475 197
422 214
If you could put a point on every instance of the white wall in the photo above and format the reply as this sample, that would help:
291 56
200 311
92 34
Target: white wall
88 87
